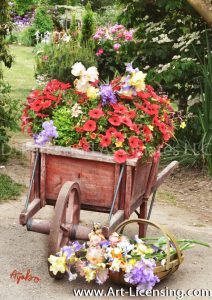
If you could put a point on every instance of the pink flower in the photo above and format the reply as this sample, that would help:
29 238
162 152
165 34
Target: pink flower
95 255
99 52
128 35
116 47
101 276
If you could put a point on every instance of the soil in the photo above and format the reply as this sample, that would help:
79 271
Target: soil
184 204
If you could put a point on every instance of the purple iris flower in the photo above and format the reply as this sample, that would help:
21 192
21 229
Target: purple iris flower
107 94
142 275
77 246
105 244
130 69
49 131
68 251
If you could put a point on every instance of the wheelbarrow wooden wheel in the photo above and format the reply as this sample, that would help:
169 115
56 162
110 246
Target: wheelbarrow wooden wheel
67 213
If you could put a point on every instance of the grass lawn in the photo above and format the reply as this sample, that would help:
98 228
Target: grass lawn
9 189
21 75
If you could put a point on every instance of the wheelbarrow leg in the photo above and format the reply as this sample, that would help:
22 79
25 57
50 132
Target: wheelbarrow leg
143 215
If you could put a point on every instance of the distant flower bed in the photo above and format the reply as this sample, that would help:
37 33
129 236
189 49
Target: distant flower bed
125 117
116 35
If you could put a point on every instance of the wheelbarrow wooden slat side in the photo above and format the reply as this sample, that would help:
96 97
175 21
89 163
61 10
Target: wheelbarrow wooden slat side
76 153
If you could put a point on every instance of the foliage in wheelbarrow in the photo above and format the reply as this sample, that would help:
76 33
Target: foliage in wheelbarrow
125 117
99 258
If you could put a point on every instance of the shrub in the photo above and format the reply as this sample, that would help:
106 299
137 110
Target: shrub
88 24
8 117
56 61
21 7
115 47
43 21
27 36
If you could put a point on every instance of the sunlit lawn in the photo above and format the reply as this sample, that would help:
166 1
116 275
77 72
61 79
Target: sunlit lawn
21 75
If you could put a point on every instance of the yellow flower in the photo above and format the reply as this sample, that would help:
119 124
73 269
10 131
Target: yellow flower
92 92
138 80
119 144
151 127
132 261
89 274
183 125
58 264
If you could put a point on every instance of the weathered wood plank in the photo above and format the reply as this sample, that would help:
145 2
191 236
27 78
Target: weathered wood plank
128 193
96 179
141 178
76 153
164 174
32 209
43 180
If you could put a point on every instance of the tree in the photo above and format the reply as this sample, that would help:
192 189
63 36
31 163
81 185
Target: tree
204 8
88 24
99 4
5 26
23 6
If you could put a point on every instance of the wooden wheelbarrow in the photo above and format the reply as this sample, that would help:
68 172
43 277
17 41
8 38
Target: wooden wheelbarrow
71 180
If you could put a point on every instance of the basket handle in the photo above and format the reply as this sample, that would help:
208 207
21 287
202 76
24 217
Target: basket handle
167 234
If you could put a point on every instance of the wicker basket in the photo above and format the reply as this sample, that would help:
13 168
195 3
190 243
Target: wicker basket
172 261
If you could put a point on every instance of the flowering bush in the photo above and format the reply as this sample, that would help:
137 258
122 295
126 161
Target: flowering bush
114 46
135 258
125 118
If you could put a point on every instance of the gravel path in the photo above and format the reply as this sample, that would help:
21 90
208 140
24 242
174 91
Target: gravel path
21 250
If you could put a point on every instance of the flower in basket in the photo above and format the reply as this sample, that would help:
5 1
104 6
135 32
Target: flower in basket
124 118
134 260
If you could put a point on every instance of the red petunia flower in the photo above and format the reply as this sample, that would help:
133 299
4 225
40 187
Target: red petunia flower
115 81
143 95
131 114
90 125
36 105
94 83
126 97
137 105
134 127
126 121
135 154
105 141
133 142
55 85
83 143
148 133
119 136
120 156
117 88
96 113
46 104
111 131
115 120
79 129
121 109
